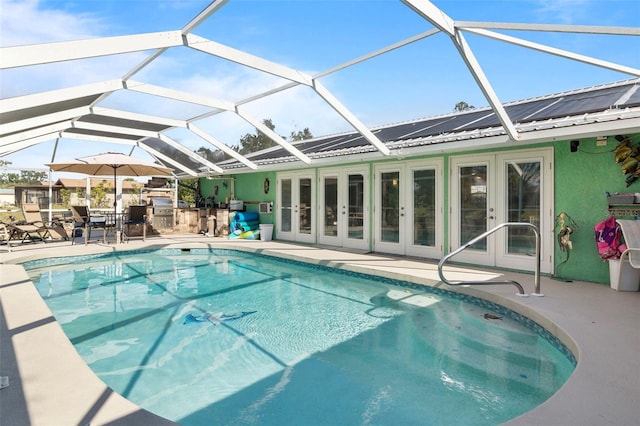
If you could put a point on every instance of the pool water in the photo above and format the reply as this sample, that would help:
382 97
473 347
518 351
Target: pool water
231 338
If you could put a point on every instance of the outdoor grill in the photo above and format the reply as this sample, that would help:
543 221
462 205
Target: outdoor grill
162 212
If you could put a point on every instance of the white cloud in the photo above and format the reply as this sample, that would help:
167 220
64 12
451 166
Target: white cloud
26 22
562 11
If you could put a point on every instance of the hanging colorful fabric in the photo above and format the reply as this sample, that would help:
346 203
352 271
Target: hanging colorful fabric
608 238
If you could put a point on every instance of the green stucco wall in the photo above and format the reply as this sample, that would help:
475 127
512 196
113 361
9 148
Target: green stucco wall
248 187
581 180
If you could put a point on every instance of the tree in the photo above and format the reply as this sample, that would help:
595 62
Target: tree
215 155
462 106
99 194
133 198
301 135
25 177
188 190
252 143
65 194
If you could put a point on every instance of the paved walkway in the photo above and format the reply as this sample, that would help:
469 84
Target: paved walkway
49 384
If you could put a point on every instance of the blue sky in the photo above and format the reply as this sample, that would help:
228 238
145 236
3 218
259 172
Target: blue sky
423 79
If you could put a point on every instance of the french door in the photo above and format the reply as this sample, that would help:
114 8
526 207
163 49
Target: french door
408 218
295 200
488 190
343 207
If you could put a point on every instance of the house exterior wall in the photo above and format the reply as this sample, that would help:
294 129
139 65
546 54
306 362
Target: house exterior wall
7 197
581 180
248 187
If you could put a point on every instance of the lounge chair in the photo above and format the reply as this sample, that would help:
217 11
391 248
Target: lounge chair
23 232
4 235
136 215
84 222
33 216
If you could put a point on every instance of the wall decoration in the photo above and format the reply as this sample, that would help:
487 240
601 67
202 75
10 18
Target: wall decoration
566 226
266 185
628 156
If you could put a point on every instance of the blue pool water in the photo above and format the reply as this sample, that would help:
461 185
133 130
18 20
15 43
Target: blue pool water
314 346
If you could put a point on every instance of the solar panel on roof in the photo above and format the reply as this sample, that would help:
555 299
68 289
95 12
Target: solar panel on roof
337 142
280 152
352 141
407 130
579 103
449 126
561 105
523 111
634 99
489 120
315 145
325 144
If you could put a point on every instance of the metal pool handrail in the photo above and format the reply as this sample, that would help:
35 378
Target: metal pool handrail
484 235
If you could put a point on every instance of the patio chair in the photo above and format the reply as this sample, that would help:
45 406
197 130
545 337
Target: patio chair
4 235
23 232
83 224
136 215
33 216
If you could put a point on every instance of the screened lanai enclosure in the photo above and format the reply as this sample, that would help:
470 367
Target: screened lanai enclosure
418 187
77 113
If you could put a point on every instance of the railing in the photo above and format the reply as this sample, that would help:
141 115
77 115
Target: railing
490 282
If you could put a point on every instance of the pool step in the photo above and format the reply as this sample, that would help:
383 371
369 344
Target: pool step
470 346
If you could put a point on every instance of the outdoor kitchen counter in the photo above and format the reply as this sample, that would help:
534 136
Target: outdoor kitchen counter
192 220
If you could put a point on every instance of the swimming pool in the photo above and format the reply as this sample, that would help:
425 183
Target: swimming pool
166 329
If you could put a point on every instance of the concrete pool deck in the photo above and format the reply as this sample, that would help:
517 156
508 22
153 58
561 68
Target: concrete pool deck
49 384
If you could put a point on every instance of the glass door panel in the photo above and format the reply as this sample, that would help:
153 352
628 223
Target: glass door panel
286 206
424 207
305 211
523 204
330 228
473 204
356 206
390 207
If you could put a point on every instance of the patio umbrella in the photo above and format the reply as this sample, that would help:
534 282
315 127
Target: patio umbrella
111 163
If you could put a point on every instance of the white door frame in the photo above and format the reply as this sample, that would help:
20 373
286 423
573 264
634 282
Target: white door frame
341 218
296 209
496 252
405 244
436 251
